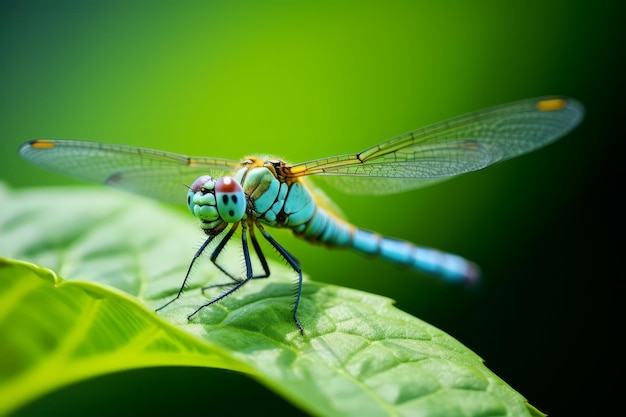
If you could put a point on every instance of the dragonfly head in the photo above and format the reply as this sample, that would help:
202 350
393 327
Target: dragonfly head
216 201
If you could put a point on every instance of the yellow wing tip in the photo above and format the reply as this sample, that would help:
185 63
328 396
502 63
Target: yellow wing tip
41 144
551 104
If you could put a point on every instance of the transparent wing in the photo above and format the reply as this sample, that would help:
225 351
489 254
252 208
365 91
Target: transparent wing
456 146
156 174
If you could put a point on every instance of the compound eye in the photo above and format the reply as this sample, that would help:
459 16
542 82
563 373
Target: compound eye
201 182
231 201
190 202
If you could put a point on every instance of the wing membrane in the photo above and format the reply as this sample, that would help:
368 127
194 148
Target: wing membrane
453 147
148 172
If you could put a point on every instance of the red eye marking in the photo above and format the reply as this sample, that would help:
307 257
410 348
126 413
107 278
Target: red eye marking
227 185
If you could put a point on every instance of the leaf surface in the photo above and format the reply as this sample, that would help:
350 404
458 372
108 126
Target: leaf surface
120 257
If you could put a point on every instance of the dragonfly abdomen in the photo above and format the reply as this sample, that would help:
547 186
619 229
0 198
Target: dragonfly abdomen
334 232
447 266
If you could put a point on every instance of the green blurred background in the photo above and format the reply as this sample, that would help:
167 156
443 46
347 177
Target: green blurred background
303 80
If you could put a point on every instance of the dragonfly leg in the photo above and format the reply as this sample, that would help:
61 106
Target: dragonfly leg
214 255
295 264
238 283
257 250
260 255
193 261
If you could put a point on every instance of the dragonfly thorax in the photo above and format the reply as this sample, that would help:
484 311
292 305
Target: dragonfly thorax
216 202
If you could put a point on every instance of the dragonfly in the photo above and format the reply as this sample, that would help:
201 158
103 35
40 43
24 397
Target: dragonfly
258 192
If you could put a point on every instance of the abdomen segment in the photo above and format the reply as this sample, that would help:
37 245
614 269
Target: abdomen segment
333 232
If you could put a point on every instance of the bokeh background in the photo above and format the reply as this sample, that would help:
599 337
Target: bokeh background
303 80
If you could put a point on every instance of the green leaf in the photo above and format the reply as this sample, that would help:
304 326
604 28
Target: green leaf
56 332
122 257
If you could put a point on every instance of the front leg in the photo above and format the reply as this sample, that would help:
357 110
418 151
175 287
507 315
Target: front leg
216 252
238 283
257 250
193 261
